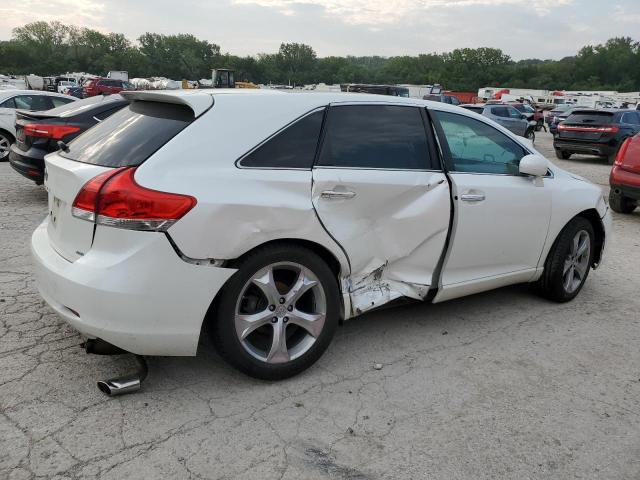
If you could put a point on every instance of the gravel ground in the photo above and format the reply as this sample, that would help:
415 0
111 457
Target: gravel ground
498 385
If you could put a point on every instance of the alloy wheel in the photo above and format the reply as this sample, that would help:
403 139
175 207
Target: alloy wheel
5 144
280 312
576 263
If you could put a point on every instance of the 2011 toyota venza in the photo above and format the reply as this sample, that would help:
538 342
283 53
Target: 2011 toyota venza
272 216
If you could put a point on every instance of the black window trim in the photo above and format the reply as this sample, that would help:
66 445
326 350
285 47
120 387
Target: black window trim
425 121
446 153
323 109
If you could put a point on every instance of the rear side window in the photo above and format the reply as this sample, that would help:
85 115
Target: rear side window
630 117
596 118
500 111
375 136
33 102
293 147
131 135
59 101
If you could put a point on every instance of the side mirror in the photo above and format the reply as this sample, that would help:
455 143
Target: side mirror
534 165
523 117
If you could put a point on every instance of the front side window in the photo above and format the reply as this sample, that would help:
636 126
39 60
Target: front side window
513 113
293 147
476 147
375 136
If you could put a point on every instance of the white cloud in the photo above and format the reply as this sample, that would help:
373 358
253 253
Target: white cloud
376 12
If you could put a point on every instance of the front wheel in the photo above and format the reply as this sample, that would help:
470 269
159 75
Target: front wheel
568 262
278 313
562 155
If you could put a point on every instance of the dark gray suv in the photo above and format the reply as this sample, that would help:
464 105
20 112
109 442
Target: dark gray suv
505 115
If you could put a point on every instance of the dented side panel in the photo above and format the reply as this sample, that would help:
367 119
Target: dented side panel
393 226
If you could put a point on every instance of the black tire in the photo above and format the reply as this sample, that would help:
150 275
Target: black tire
562 155
621 204
4 138
223 331
551 285
611 158
530 134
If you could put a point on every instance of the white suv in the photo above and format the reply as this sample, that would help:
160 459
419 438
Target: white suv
272 216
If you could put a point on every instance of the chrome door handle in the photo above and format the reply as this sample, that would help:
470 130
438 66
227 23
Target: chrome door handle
472 197
333 194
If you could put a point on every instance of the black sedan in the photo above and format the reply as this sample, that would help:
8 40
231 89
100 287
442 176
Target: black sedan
39 133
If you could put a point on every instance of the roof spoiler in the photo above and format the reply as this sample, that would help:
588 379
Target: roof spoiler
199 102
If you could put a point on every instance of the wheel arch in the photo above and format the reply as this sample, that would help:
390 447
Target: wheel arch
7 132
594 219
323 252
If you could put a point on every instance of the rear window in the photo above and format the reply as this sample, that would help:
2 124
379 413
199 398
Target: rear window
131 135
596 118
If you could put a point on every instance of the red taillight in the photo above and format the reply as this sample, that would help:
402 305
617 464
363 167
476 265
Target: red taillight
114 198
55 132
569 128
622 152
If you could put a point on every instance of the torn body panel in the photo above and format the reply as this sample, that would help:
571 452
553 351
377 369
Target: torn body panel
392 225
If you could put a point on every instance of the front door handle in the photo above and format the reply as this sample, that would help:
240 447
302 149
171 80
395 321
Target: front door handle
472 197
337 194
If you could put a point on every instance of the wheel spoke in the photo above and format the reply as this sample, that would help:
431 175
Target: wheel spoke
583 246
245 324
311 322
302 284
278 352
567 266
266 283
581 269
568 279
574 247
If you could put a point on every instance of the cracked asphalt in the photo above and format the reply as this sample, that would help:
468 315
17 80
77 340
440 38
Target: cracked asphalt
500 385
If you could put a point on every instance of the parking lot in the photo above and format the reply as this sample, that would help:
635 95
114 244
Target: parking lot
498 385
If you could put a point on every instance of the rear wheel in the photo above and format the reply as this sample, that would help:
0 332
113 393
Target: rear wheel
6 140
278 313
621 204
568 263
562 155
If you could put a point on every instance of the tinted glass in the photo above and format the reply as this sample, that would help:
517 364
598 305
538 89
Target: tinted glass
293 147
8 103
630 117
375 136
598 118
131 135
477 147
500 111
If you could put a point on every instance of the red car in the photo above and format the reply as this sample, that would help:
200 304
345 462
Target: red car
625 177
104 86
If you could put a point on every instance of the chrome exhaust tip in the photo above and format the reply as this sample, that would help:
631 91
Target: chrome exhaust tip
126 383
120 385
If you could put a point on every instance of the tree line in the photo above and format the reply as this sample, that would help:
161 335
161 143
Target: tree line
46 48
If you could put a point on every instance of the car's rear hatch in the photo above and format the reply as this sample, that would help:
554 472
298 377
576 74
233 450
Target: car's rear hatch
125 139
587 126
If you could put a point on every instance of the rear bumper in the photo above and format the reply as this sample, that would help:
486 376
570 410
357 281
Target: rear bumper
628 183
139 296
27 166
600 149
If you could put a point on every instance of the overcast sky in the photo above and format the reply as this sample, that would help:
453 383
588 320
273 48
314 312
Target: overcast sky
521 28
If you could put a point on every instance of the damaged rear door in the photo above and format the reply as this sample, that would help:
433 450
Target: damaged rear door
379 190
